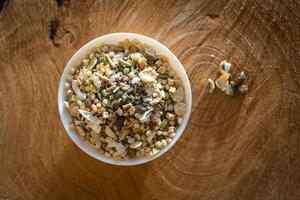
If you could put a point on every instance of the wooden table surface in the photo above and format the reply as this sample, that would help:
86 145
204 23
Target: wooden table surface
244 147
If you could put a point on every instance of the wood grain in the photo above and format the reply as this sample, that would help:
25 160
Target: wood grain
233 148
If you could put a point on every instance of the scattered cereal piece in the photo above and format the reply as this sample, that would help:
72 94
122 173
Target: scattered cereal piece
211 85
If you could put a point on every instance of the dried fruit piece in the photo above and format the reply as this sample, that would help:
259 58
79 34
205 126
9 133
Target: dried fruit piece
222 82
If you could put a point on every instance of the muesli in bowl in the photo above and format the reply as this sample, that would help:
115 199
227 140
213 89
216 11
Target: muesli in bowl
125 100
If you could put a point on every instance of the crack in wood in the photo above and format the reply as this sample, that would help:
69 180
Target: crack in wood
2 2
212 15
53 30
62 2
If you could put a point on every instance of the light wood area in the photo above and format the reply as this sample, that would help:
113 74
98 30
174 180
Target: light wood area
243 147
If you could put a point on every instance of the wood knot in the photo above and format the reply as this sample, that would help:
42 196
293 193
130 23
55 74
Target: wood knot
58 33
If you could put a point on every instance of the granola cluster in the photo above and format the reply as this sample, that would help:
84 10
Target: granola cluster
125 100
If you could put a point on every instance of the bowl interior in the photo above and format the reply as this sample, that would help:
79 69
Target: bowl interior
113 39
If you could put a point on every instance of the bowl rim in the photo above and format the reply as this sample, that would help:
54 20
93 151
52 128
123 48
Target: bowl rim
84 50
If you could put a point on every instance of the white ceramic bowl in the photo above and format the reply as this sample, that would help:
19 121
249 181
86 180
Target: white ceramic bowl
113 39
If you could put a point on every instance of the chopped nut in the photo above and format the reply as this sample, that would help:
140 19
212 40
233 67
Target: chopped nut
116 90
136 126
171 81
148 132
172 89
80 131
150 137
179 120
109 132
162 70
119 112
131 75
105 115
136 144
104 102
131 110
66 105
155 151
170 116
67 85
95 127
85 61
131 140
94 108
126 106
158 144
69 92
172 135
107 154
169 140
164 142
171 129
135 80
